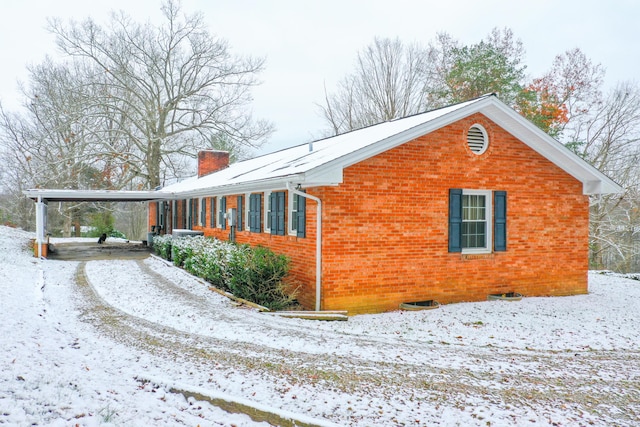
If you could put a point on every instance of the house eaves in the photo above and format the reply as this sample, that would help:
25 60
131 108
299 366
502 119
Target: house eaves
593 181
324 163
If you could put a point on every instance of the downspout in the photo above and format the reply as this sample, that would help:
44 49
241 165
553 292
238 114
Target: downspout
39 226
318 240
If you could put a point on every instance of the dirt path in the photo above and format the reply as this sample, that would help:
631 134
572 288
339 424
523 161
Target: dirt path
592 386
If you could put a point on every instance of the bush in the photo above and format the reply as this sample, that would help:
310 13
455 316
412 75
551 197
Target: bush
162 246
254 274
209 260
181 249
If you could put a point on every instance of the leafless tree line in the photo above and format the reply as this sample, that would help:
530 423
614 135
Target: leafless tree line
127 108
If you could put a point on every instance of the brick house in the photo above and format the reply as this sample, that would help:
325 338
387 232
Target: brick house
450 205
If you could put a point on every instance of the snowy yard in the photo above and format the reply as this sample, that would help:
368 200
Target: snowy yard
108 343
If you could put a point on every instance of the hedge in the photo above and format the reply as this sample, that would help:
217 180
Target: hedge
252 273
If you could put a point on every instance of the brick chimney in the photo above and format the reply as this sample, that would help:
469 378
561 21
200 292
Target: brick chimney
210 161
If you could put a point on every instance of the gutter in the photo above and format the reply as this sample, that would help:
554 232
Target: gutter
318 240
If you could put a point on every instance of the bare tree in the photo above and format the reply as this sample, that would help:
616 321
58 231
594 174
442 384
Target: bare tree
387 83
167 88
610 140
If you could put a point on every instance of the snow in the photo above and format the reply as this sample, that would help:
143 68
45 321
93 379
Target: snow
300 159
108 343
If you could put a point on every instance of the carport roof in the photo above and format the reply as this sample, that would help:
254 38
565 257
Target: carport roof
94 195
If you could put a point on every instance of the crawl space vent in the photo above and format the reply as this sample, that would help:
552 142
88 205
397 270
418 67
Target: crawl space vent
477 139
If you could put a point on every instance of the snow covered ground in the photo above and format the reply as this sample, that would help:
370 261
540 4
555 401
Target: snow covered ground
109 343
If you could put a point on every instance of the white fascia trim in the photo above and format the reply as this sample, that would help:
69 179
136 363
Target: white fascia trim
273 184
56 194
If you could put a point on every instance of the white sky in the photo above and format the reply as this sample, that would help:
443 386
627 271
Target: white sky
309 44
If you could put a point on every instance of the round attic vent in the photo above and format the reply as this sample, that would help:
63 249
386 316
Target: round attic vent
477 139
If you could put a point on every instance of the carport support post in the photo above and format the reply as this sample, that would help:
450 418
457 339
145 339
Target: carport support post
41 221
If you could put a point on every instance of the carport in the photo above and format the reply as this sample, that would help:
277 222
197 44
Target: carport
43 196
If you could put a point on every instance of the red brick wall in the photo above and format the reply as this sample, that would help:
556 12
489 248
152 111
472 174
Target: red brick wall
385 228
388 224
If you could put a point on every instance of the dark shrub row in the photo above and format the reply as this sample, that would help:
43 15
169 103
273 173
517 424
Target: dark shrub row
254 274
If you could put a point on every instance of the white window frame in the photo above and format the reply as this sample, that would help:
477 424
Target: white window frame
266 211
219 211
290 222
202 209
247 205
488 194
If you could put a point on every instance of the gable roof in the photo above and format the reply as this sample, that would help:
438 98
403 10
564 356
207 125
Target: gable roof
321 162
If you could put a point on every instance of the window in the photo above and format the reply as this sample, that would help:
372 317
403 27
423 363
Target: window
239 213
174 214
159 215
203 212
186 204
222 208
195 213
255 213
212 210
267 212
276 212
470 221
475 211
297 215
477 139
247 211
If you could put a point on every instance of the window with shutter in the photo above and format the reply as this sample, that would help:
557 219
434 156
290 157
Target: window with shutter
470 221
297 215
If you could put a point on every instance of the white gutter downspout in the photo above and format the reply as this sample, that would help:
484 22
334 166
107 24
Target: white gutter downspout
318 240
39 225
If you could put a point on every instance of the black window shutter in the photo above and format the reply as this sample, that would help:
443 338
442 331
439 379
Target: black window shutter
223 210
500 221
239 214
455 220
281 203
203 213
255 212
273 213
252 203
301 226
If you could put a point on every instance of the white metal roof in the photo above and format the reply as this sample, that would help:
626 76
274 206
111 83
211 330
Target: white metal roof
324 163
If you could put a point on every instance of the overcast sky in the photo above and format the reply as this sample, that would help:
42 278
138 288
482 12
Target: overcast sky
308 44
